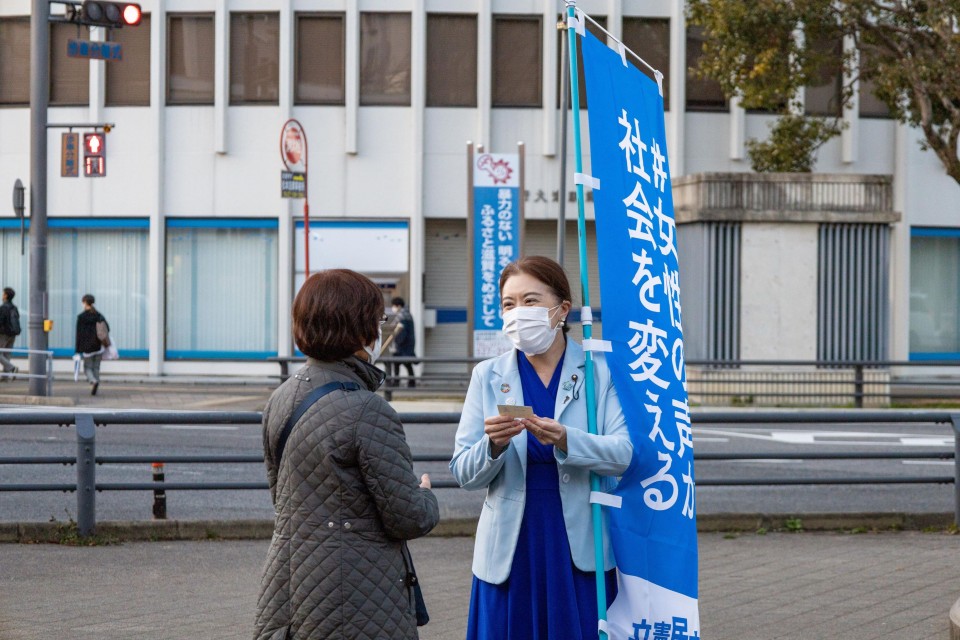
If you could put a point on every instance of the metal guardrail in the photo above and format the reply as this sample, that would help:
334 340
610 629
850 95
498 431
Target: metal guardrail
86 460
734 381
48 376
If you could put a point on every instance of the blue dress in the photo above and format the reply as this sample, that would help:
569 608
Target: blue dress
545 597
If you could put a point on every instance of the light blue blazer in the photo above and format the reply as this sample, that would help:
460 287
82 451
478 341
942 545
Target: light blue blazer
497 381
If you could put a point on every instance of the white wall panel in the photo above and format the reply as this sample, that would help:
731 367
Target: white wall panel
379 178
778 296
189 161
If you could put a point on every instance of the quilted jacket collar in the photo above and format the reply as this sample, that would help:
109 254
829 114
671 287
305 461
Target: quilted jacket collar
355 369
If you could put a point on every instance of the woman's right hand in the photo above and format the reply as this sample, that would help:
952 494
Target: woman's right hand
501 429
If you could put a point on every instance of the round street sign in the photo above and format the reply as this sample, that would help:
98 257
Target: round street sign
293 147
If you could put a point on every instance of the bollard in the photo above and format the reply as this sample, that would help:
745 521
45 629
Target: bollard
86 475
159 495
858 386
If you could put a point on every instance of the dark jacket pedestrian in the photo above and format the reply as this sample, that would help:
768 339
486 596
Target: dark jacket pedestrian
404 342
9 329
344 491
93 334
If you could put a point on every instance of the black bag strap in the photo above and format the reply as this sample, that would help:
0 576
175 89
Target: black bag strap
304 406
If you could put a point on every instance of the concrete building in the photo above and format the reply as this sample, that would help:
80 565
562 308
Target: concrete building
195 258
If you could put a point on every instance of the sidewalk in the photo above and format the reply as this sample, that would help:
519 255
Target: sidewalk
183 393
799 586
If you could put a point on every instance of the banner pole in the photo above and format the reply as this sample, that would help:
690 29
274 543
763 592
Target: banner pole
587 326
470 256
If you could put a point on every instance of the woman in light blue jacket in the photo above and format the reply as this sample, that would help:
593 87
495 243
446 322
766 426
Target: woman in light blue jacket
533 561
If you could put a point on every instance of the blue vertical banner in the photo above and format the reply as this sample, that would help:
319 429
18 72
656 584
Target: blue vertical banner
654 532
496 237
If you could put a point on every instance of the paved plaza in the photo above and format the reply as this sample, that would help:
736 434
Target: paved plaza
801 586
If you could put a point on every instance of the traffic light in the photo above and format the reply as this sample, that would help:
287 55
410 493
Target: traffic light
113 15
95 155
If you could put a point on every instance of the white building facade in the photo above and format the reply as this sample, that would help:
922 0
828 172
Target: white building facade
195 258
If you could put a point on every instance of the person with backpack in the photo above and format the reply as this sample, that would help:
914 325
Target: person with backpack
9 330
93 335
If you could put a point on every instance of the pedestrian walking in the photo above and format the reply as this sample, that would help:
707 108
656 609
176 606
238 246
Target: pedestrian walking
9 330
93 336
523 438
341 480
405 340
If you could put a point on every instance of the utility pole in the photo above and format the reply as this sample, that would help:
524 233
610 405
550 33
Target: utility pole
39 99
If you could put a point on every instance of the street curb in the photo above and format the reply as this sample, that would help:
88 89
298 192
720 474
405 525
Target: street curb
153 530
43 401
741 522
955 621
156 530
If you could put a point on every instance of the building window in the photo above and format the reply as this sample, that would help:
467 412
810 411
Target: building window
190 58
870 105
517 61
106 257
649 38
934 294
128 80
15 269
385 59
562 40
320 59
254 58
69 77
823 98
451 60
15 61
221 289
702 94
852 307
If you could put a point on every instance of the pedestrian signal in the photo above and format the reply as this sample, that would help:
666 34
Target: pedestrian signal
94 155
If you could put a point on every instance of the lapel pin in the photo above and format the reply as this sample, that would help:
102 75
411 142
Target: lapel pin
567 386
511 401
504 388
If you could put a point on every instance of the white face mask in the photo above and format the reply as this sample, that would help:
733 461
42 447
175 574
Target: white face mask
529 329
374 351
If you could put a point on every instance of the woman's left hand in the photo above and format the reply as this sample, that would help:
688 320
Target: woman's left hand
547 431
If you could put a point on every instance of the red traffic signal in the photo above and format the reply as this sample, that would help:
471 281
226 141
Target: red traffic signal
110 14
94 155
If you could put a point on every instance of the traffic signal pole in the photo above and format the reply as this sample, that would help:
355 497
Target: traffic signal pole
39 100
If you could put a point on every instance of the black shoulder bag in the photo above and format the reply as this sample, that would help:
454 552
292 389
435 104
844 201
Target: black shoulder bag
421 607
303 407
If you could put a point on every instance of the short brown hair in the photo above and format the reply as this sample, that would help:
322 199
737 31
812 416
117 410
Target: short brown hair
336 313
547 271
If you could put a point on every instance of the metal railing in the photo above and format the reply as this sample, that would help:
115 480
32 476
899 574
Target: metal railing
729 382
20 375
427 382
87 460
856 382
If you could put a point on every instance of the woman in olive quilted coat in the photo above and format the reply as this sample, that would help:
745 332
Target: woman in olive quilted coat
343 489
